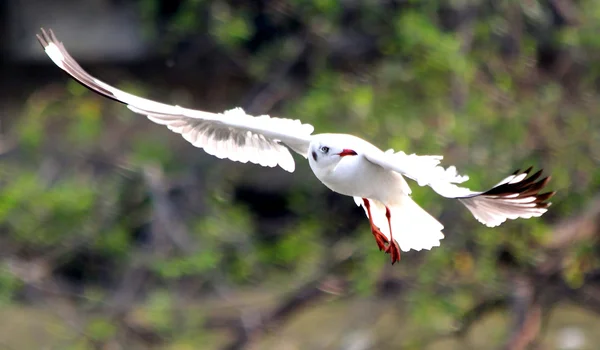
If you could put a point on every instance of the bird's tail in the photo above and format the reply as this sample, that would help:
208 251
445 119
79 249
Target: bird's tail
412 226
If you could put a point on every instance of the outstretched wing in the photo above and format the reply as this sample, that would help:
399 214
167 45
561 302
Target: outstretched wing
233 134
517 196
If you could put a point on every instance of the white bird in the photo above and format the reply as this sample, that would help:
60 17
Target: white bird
344 163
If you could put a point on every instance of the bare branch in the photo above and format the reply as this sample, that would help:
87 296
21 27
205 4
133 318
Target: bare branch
323 284
167 220
578 228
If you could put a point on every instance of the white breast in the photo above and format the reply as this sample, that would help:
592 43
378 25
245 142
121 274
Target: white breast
356 176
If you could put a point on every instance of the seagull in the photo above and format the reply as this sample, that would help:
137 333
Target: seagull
344 163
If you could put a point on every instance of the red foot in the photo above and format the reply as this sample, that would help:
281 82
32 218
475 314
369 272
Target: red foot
394 250
381 239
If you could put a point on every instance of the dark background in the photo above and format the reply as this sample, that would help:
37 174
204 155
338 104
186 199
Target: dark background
117 234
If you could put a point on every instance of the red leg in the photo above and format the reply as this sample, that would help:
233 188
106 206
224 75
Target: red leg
381 239
393 249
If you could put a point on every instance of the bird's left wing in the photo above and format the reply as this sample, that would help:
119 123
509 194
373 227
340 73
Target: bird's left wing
233 134
517 196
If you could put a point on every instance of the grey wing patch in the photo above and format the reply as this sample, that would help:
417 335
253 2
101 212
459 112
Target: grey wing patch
233 134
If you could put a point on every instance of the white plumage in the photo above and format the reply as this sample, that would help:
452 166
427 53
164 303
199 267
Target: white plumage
346 164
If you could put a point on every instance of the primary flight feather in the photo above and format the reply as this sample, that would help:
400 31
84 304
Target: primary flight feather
344 163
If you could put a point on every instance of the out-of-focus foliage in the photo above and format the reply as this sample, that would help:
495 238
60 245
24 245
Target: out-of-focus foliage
155 244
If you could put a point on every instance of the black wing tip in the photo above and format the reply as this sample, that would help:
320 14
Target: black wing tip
71 67
545 196
47 37
43 38
530 186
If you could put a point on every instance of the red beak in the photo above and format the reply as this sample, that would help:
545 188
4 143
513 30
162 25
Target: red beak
347 152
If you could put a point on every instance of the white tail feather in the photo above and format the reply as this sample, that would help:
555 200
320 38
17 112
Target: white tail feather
412 227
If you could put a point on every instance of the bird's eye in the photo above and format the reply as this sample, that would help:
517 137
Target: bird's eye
324 149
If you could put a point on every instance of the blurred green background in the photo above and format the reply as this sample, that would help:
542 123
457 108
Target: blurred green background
117 234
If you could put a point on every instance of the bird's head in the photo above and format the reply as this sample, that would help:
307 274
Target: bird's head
328 153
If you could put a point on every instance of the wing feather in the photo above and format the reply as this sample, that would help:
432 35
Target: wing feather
516 196
233 134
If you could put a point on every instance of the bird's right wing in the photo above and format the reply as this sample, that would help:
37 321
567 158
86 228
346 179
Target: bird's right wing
517 196
233 134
